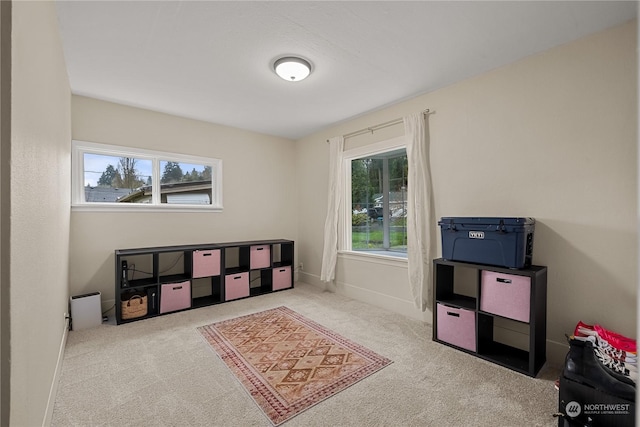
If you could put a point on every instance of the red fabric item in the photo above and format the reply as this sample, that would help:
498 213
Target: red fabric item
614 339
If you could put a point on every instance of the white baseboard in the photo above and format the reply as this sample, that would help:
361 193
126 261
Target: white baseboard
397 305
48 415
387 302
311 279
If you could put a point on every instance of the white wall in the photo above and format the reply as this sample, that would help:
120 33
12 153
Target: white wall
39 207
553 137
5 211
258 180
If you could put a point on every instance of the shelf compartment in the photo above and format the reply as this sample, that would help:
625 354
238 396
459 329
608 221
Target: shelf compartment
139 270
507 295
456 285
282 278
236 286
260 256
206 263
259 282
174 265
236 259
151 292
135 304
456 326
282 254
175 296
500 340
505 355
206 291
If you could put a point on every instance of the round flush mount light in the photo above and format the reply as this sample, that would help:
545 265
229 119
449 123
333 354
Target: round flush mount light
292 68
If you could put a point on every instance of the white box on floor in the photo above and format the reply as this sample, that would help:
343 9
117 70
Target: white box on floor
86 311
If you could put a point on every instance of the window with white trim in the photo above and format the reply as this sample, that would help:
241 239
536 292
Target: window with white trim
376 199
113 178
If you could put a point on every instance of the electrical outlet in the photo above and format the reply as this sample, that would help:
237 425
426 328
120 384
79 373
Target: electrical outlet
301 266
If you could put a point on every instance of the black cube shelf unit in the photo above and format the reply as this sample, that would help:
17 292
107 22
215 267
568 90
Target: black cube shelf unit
175 278
464 314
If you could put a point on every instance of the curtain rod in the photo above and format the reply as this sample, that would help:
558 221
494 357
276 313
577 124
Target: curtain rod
371 129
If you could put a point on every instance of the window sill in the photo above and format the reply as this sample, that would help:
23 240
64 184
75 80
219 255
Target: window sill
142 207
398 259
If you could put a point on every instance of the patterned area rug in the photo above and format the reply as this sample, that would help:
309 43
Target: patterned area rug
287 362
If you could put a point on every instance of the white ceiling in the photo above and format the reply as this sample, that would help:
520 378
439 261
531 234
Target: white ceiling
211 60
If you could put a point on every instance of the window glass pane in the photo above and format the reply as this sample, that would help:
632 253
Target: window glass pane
109 179
366 190
398 169
378 197
114 176
185 183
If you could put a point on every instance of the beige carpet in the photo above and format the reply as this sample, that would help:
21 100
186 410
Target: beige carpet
159 372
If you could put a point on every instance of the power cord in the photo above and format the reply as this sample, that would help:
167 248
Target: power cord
133 268
105 318
108 310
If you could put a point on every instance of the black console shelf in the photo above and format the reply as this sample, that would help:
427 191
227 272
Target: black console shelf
176 278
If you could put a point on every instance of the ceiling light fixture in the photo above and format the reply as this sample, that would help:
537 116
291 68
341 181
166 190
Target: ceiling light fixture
292 68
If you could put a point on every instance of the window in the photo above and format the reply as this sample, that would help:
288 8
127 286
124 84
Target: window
109 177
377 199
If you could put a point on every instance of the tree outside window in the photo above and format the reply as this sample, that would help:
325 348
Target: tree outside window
379 205
114 176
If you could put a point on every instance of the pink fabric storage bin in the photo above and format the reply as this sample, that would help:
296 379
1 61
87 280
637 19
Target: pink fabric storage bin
236 286
260 256
506 295
175 296
281 278
206 263
457 326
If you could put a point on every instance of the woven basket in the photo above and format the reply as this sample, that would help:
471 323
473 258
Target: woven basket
134 307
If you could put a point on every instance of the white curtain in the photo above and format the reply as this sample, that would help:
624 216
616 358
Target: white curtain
421 231
330 251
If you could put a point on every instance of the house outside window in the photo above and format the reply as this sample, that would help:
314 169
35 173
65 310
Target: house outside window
117 178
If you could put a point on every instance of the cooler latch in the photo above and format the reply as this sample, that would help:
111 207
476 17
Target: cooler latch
451 226
501 228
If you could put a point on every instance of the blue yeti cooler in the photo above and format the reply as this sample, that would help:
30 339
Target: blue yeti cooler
504 242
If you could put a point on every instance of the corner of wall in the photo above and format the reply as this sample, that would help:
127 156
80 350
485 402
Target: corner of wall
5 200
311 279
